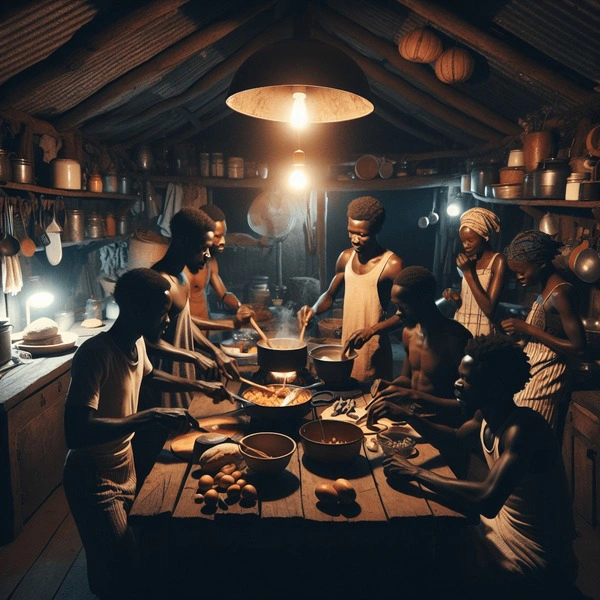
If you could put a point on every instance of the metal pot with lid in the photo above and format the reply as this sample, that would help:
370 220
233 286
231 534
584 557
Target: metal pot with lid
550 178
5 341
482 174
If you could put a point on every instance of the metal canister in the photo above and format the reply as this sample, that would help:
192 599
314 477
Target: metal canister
123 225
94 226
22 170
109 182
204 164
235 167
123 184
75 225
95 183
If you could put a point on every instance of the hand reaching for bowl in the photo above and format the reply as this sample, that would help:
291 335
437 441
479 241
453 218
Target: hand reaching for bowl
357 339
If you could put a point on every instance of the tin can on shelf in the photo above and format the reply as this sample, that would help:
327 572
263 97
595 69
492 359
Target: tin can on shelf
204 164
573 187
22 170
75 225
95 227
95 183
109 182
123 225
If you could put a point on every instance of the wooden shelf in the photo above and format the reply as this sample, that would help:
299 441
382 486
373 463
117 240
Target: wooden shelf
539 202
96 242
36 189
394 183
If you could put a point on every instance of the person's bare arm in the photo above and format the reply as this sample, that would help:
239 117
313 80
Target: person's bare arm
229 299
326 299
565 302
487 300
166 382
163 349
484 497
226 365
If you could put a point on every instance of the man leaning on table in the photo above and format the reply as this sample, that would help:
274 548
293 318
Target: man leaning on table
524 540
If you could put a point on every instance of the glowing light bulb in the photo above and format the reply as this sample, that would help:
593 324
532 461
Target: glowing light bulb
453 209
299 116
298 178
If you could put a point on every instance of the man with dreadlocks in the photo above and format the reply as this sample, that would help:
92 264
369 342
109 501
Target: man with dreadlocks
483 271
526 529
367 272
553 328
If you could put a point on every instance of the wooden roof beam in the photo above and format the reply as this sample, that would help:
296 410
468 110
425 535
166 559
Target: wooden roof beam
514 63
422 102
223 71
113 94
337 25
55 68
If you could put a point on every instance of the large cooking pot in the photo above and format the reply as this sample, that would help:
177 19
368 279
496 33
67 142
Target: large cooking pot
270 413
284 355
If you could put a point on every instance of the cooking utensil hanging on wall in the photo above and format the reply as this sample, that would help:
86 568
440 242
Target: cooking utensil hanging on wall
9 245
39 235
27 244
54 248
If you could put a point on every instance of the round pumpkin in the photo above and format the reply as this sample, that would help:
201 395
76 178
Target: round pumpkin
454 65
420 45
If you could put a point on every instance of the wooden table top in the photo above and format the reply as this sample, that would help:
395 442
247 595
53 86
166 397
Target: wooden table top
170 487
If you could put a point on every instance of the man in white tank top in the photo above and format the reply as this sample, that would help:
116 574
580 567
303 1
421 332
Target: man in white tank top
367 272
524 539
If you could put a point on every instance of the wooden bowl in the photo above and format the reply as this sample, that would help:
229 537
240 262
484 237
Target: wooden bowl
331 441
278 446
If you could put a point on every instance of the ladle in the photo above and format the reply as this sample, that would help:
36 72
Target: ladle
9 245
27 244
260 332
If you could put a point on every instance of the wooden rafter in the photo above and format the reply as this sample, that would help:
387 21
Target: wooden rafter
423 75
138 79
516 64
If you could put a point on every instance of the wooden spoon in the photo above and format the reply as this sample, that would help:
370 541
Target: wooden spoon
254 451
260 332
27 244
258 386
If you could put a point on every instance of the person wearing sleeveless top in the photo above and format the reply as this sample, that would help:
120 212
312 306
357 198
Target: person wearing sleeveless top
483 272
553 328
366 271
523 543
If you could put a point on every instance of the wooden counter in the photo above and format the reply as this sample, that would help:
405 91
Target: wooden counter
32 447
288 539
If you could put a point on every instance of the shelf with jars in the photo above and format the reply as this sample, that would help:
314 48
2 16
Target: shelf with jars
541 202
36 189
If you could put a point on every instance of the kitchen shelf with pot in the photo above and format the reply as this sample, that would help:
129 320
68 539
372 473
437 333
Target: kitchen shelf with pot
36 189
539 202
391 184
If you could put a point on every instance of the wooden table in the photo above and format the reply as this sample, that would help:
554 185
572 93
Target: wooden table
391 538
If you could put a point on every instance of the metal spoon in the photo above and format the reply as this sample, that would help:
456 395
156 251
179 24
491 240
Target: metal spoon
294 393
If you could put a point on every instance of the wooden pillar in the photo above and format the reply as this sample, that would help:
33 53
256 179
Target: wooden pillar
322 238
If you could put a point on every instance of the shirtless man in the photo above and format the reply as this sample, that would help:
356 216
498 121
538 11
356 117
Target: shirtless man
366 271
525 533
209 275
434 346
192 237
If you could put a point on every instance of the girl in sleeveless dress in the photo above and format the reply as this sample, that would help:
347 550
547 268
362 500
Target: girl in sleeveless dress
553 328
483 272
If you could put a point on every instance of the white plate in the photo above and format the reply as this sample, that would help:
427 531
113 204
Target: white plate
69 339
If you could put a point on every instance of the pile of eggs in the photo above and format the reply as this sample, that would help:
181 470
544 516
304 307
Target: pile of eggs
229 481
341 491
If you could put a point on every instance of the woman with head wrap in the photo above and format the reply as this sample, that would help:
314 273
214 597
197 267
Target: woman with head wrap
553 328
483 272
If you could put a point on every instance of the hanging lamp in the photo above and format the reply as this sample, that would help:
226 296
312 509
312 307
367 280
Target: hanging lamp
330 84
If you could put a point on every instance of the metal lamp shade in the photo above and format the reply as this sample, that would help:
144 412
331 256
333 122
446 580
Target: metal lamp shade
336 88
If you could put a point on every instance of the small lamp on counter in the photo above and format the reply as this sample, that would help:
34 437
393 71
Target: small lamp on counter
37 300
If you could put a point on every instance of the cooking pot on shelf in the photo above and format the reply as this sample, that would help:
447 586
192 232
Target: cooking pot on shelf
284 355
484 174
550 178
585 262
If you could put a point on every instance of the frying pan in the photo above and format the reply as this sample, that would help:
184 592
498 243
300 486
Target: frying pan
274 413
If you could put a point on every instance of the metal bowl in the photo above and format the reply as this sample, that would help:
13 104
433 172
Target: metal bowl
507 190
329 364
331 441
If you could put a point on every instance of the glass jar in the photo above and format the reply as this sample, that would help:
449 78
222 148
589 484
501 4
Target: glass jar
123 225
95 182
109 182
217 165
204 164
94 226
573 186
235 167
93 309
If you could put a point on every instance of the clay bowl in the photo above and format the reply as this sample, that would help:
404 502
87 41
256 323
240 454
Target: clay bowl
331 441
